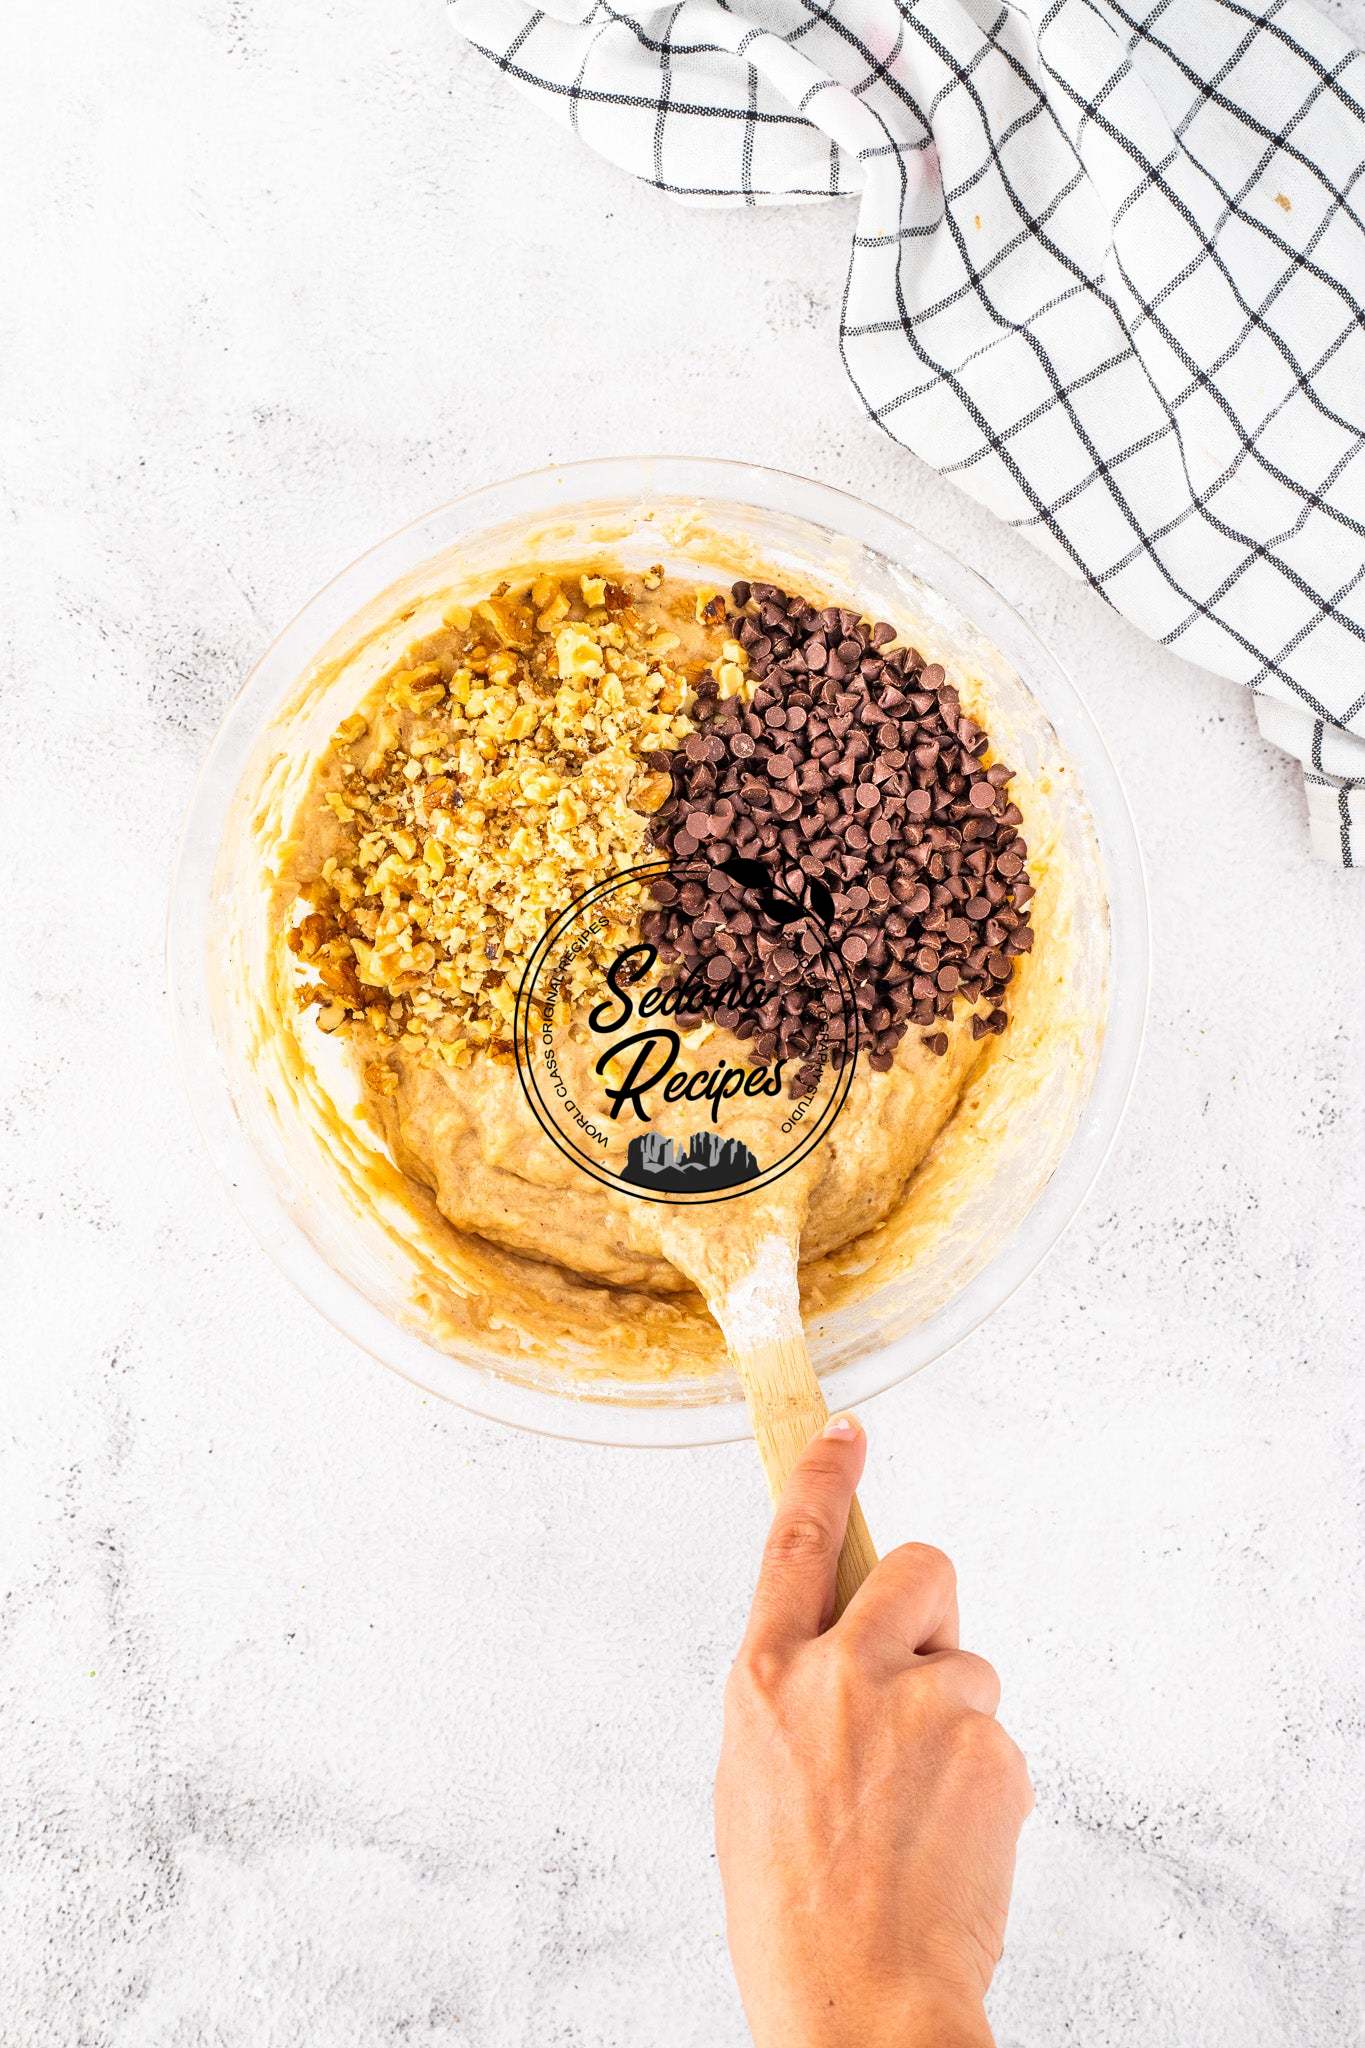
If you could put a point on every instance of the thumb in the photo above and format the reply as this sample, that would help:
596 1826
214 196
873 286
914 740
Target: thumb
794 1599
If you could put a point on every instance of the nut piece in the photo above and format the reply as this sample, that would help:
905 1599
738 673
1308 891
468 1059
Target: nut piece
652 791
507 762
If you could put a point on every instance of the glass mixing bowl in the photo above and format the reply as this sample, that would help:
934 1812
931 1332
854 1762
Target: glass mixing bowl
291 1188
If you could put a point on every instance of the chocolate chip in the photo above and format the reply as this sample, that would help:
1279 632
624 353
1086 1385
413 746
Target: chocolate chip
854 771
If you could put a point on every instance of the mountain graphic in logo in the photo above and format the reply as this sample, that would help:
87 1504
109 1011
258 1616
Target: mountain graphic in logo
706 1162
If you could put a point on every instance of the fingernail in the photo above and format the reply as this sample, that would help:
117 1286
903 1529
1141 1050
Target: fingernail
842 1426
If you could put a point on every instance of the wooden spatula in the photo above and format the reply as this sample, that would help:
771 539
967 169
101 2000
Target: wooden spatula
760 1315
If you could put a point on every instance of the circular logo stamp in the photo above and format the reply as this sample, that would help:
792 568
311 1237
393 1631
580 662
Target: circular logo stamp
668 1069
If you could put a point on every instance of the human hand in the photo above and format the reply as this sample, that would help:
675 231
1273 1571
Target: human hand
868 1802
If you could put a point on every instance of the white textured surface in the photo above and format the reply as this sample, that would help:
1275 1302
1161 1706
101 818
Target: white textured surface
328 1714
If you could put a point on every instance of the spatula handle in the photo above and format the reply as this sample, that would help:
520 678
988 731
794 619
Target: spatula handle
788 1408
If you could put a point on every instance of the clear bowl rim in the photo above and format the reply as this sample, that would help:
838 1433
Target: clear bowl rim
575 1415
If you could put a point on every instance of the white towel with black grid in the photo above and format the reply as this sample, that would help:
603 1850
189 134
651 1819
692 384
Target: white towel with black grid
1108 275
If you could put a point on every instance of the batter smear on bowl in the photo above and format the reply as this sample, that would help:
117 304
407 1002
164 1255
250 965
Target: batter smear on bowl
842 892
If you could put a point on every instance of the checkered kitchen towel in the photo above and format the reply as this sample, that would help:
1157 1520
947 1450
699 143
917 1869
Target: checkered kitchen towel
1108 274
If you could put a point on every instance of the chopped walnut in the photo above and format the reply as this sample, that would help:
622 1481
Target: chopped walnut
508 762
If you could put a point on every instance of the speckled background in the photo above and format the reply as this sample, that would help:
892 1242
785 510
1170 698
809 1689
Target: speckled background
328 1715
